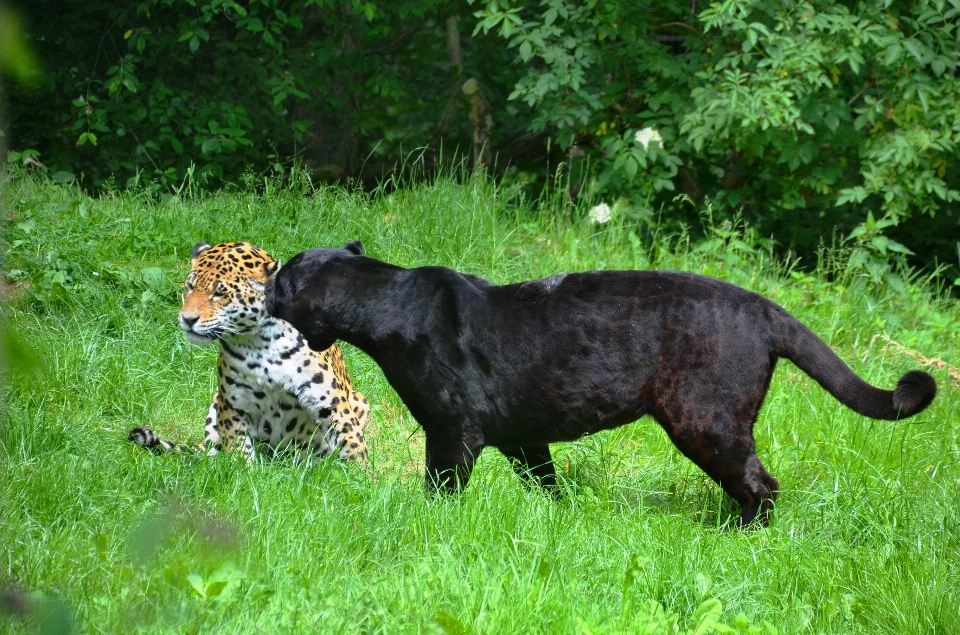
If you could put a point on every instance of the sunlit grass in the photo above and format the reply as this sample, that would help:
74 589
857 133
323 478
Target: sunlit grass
95 532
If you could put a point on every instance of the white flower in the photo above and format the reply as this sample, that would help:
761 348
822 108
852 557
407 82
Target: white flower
600 213
645 136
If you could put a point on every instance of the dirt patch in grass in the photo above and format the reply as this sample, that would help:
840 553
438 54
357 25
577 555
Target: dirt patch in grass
10 293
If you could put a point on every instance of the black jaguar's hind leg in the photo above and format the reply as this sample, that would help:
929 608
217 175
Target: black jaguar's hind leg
449 463
534 464
727 454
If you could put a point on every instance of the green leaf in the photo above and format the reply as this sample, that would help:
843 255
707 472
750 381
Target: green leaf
153 276
915 48
895 281
177 146
893 245
214 589
526 51
892 55
197 583
707 617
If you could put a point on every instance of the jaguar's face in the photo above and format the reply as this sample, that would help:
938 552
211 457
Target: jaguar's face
224 292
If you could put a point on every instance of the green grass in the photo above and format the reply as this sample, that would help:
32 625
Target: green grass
105 538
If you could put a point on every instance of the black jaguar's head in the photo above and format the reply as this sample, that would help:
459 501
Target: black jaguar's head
298 292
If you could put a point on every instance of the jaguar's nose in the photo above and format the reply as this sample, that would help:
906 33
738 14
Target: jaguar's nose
187 321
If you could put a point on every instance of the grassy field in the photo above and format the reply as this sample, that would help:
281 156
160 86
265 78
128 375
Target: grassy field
97 536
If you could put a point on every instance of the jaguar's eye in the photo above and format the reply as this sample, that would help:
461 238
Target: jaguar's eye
219 291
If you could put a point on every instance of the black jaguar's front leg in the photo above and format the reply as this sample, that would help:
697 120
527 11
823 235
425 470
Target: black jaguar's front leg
449 462
534 464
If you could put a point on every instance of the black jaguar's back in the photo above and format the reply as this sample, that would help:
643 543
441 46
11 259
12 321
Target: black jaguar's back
520 366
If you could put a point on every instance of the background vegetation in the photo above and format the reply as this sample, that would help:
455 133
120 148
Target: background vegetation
99 536
812 119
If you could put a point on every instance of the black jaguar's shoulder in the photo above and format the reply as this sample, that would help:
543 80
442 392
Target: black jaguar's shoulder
540 288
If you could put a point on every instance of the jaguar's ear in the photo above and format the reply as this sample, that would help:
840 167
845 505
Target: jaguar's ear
354 247
198 249
270 269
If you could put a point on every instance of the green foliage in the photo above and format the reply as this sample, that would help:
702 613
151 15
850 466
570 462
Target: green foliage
804 116
816 85
164 90
601 79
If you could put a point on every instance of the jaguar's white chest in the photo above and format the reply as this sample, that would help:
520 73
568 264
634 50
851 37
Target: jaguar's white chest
261 375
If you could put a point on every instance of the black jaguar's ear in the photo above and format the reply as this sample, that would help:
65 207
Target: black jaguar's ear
198 249
354 247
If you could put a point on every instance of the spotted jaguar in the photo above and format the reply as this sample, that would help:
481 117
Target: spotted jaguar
274 393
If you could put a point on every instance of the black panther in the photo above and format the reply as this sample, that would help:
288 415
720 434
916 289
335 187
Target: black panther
520 366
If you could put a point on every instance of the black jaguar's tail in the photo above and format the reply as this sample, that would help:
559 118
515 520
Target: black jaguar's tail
914 392
147 438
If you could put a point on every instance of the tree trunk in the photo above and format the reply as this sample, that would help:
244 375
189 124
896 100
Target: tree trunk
482 124
453 44
452 108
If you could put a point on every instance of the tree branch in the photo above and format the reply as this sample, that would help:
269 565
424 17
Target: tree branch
854 99
682 25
